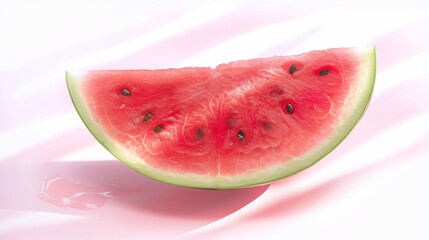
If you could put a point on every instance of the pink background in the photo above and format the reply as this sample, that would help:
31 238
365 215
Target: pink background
57 182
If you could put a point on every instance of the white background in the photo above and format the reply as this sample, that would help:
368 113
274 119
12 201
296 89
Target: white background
373 186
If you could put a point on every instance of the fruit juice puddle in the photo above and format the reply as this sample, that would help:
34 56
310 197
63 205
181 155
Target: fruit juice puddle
63 192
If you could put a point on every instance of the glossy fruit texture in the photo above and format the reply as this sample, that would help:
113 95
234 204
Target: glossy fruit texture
242 123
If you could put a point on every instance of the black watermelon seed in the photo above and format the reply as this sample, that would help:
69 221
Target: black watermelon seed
240 135
125 92
292 68
267 125
200 134
289 108
147 117
324 72
158 129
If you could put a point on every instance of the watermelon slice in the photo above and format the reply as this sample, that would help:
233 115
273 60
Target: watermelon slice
240 124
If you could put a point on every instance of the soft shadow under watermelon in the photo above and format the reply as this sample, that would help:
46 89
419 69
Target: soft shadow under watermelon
169 200
159 209
114 178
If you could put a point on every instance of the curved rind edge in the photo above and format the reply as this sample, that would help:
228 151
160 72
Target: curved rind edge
368 68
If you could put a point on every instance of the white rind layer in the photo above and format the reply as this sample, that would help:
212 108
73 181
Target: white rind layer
356 103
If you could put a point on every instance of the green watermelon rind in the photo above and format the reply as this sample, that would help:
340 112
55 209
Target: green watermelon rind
357 106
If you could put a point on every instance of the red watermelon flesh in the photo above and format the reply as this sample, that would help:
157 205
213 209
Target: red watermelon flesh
242 123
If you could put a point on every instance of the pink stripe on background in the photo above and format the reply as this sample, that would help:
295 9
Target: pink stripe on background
104 199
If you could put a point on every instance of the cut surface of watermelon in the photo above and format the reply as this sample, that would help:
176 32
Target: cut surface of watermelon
240 124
